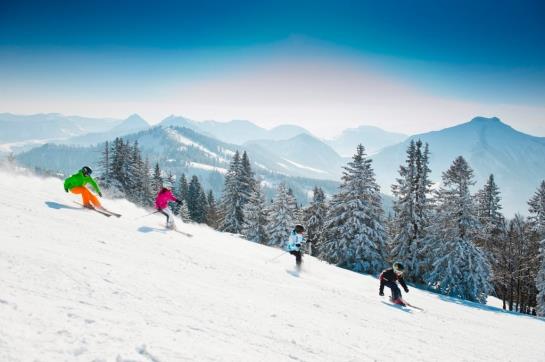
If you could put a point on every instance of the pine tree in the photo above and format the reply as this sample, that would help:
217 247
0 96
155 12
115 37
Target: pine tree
247 178
314 217
459 267
196 201
157 179
537 220
212 217
281 217
537 209
118 167
134 183
355 237
181 192
540 283
255 218
232 200
489 214
184 213
104 166
147 196
411 207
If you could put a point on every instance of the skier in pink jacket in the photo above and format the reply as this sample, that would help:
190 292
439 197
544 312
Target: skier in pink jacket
161 203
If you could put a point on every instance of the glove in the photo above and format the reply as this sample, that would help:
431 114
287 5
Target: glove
298 245
179 202
381 293
406 290
65 189
100 194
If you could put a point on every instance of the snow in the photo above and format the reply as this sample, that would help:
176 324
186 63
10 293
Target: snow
187 142
203 166
298 165
261 166
77 286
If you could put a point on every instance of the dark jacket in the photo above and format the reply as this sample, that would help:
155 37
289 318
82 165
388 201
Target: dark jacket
390 276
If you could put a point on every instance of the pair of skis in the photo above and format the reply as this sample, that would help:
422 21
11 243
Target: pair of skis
102 211
179 231
406 304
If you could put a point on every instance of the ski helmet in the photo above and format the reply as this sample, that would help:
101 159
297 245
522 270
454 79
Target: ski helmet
167 185
299 228
86 170
398 267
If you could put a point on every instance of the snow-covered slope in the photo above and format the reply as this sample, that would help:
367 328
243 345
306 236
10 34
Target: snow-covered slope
77 286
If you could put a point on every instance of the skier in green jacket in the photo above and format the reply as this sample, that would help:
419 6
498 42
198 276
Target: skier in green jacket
76 184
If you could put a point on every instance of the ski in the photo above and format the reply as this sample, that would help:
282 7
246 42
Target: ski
112 213
183 233
92 208
179 231
413 306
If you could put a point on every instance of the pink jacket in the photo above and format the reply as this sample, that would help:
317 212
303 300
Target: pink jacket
163 197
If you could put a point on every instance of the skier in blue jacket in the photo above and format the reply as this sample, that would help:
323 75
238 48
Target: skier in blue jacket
295 241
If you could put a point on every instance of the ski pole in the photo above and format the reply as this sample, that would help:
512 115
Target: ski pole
278 256
151 213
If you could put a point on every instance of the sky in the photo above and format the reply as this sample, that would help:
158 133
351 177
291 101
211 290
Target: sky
404 66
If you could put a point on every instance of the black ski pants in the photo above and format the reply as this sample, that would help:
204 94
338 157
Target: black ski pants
396 293
298 256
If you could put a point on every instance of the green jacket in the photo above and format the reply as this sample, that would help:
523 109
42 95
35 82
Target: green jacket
78 179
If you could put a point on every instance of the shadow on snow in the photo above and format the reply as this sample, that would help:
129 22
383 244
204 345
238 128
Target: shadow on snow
57 206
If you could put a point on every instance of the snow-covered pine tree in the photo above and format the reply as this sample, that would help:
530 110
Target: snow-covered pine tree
537 209
232 217
411 207
255 218
423 201
459 268
196 201
157 179
281 219
134 182
119 167
184 213
540 283
314 217
355 236
247 181
297 211
204 202
104 166
183 189
212 217
537 219
489 215
147 196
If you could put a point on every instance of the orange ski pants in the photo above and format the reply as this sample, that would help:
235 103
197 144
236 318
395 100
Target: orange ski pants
86 195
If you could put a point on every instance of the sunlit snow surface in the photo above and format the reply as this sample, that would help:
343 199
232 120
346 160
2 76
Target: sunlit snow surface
77 286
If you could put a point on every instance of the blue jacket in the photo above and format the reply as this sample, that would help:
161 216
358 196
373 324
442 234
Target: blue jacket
295 242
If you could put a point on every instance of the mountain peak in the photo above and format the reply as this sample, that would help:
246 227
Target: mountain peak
486 121
135 116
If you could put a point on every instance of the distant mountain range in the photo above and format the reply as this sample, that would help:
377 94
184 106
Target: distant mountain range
17 128
132 124
516 159
373 138
183 150
490 146
301 154
236 131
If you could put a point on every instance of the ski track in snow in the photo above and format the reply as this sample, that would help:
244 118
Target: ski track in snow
76 286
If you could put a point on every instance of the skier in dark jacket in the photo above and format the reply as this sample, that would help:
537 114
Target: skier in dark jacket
389 278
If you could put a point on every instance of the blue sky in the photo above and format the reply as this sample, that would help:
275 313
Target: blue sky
113 58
